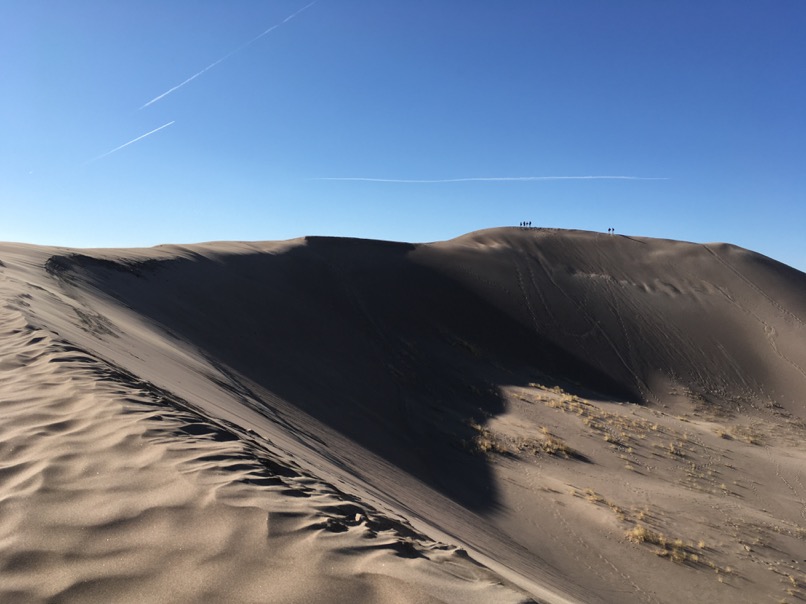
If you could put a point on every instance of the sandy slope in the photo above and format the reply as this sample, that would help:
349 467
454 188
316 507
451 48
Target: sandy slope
596 418
114 490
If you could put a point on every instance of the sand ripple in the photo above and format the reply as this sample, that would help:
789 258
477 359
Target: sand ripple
109 492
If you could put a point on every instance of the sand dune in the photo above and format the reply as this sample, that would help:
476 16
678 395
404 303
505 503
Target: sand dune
511 415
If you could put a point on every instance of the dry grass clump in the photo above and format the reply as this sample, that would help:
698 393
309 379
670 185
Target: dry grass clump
641 534
596 498
486 441
676 449
722 433
550 445
674 549
747 434
553 445
554 389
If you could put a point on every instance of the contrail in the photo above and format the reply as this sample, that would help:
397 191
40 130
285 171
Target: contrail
488 179
134 140
228 55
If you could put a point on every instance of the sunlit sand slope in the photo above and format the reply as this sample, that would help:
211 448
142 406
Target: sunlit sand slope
114 490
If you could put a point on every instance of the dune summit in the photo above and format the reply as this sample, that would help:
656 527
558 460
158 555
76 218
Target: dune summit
513 415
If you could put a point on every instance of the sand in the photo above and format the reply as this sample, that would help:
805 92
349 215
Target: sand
513 415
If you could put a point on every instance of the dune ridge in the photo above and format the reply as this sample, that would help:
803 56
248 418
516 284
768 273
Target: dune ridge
591 417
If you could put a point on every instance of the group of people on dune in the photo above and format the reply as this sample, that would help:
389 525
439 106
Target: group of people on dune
527 224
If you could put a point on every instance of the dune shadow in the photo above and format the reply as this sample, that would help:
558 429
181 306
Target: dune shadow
394 355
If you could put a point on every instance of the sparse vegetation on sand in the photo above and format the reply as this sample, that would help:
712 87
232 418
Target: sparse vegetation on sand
671 449
486 440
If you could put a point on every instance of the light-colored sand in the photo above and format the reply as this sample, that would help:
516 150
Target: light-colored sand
111 491
594 418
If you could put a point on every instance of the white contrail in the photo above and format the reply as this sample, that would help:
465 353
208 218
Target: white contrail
227 56
134 140
178 86
489 179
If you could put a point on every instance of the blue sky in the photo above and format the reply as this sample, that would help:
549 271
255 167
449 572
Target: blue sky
704 100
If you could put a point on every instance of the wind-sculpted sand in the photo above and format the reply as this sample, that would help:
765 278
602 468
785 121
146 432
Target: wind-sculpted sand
509 416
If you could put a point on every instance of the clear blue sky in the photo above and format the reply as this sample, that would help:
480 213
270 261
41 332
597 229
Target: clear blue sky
707 97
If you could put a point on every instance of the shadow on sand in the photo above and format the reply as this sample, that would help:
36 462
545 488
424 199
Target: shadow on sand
393 355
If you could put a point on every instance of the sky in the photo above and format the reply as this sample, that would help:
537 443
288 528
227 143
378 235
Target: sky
129 124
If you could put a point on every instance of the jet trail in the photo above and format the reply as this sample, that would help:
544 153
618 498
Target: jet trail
134 140
488 179
227 56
